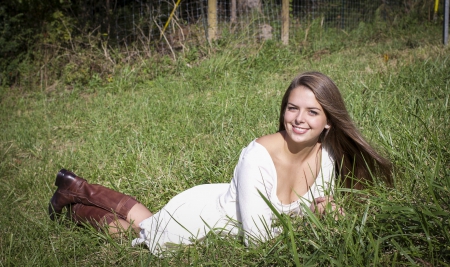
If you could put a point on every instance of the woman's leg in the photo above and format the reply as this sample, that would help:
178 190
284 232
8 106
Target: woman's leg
119 226
100 218
97 217
73 189
96 203
137 214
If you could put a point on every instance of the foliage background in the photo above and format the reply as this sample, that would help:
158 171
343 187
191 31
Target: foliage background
42 42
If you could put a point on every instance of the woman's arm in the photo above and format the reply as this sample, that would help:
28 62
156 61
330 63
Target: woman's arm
254 173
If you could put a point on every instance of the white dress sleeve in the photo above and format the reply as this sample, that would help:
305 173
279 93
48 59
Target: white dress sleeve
254 172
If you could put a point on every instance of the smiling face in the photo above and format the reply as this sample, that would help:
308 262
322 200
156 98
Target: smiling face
304 117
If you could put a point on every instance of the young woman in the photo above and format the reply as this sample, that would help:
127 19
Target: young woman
293 168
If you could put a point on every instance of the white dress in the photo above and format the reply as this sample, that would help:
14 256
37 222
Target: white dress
232 208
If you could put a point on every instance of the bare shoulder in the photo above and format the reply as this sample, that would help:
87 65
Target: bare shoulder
271 142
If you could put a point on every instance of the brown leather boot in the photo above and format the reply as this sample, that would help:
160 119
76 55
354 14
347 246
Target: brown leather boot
73 189
97 217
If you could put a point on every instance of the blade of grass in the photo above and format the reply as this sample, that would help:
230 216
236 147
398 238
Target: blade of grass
287 229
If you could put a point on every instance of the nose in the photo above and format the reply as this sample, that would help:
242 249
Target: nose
300 117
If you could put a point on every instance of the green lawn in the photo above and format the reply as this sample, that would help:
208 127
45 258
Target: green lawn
155 137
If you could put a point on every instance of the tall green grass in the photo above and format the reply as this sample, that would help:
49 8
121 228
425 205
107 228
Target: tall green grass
154 138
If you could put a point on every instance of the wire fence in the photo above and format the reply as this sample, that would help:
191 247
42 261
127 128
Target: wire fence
162 22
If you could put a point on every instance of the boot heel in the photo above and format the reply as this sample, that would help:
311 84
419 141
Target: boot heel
66 178
60 177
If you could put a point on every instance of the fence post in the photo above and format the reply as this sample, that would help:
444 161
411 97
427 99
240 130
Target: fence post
233 11
285 22
212 20
446 20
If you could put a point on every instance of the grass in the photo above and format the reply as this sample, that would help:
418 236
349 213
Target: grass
154 138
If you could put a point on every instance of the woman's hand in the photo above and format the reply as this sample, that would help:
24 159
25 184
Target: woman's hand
322 205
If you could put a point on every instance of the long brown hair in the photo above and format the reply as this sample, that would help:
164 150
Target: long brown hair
354 157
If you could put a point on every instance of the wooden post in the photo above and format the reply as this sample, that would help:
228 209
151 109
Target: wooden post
212 20
234 13
446 21
285 22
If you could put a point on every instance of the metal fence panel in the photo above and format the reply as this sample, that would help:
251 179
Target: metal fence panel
149 22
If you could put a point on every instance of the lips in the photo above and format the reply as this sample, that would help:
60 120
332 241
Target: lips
299 130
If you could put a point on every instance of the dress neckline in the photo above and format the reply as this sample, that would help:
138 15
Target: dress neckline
274 189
